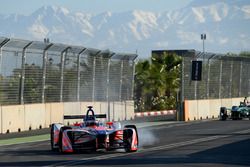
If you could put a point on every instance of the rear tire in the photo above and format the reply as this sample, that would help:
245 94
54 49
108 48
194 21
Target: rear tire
236 115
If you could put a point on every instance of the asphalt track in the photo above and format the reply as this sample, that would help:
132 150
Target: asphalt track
202 143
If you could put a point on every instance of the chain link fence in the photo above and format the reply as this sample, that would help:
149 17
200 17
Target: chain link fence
223 76
40 72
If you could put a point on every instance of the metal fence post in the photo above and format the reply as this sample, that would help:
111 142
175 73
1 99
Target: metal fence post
93 77
180 115
107 89
108 71
61 78
195 90
195 82
78 78
45 57
121 74
231 79
23 73
93 86
220 79
208 79
133 80
240 79
1 52
182 80
79 74
63 54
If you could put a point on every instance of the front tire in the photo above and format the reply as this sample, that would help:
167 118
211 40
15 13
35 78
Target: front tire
61 137
223 113
52 138
128 138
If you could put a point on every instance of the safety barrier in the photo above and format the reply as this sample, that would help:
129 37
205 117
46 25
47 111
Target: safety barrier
207 109
155 113
17 118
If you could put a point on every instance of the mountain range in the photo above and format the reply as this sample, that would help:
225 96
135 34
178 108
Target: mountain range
226 24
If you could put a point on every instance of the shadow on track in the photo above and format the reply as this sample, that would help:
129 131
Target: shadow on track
230 154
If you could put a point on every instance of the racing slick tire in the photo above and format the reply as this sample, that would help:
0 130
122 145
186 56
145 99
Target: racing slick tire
52 138
223 113
60 137
128 137
236 115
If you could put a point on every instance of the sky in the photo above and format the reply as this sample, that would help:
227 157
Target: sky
26 7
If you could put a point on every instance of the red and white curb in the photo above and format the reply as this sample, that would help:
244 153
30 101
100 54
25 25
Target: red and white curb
155 113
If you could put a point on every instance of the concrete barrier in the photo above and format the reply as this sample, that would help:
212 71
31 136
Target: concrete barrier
206 109
236 101
53 113
119 111
13 119
191 110
57 112
226 103
214 108
84 106
129 109
111 111
203 109
34 116
103 108
98 107
80 108
72 108
48 113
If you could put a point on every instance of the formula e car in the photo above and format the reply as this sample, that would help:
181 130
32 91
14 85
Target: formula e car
236 112
93 135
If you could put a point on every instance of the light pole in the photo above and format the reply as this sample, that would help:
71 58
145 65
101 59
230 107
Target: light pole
203 38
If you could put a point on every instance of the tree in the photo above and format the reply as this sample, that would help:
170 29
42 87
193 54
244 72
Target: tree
167 75
141 77
157 82
32 83
245 54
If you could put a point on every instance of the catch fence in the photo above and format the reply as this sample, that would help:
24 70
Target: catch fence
223 76
40 72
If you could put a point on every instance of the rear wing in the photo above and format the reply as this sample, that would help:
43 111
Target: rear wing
83 116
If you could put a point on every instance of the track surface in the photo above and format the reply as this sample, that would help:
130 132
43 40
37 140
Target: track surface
210 143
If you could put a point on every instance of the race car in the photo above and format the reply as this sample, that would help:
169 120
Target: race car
236 112
93 134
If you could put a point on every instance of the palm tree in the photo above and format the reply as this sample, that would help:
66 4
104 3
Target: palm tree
157 83
141 76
